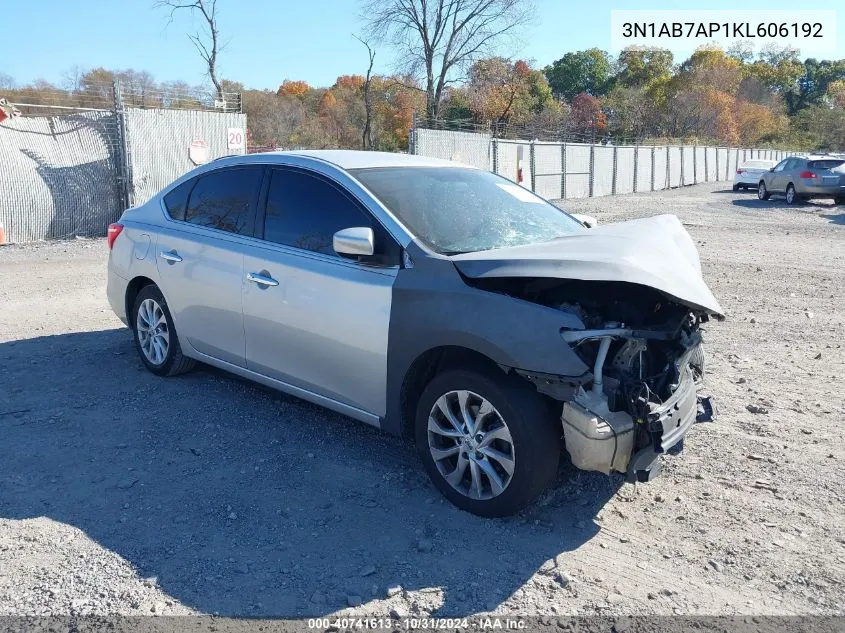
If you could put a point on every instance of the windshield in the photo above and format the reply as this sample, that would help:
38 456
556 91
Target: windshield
455 210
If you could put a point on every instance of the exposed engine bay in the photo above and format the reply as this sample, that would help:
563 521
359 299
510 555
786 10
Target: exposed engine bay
647 360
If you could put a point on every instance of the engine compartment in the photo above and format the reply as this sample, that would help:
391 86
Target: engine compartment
642 346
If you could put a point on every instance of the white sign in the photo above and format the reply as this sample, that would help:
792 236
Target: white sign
235 138
198 152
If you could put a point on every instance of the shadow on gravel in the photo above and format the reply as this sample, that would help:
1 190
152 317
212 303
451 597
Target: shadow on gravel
245 502
835 219
780 203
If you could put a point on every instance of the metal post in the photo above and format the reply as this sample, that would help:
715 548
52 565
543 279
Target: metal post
494 146
563 171
706 173
592 166
717 164
123 163
653 152
412 136
695 164
636 162
614 172
668 169
533 170
681 180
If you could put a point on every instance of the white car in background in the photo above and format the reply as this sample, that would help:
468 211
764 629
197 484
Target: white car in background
748 173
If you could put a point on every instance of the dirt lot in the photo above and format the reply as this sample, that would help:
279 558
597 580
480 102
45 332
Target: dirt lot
121 492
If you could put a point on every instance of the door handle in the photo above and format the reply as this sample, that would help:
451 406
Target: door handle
261 280
171 256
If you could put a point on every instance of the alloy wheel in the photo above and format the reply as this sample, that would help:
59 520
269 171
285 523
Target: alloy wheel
761 191
471 444
153 333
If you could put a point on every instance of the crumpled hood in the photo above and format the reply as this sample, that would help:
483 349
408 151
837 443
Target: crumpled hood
656 252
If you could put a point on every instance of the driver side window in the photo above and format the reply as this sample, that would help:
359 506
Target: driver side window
782 164
305 210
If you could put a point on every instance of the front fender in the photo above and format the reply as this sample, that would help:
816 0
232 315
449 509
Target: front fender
432 307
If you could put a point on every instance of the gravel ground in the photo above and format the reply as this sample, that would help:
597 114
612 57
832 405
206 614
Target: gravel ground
124 493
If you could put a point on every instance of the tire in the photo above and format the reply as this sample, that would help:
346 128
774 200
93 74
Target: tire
839 200
736 187
762 192
743 187
150 306
791 196
529 423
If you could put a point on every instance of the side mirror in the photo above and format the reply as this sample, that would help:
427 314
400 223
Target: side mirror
771 169
586 220
354 242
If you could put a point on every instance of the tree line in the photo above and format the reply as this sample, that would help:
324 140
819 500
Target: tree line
453 70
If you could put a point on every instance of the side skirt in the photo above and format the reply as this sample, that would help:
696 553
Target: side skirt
299 392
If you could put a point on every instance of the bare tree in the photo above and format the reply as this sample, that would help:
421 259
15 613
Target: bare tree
367 136
439 38
206 42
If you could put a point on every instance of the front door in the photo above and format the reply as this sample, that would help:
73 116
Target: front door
312 318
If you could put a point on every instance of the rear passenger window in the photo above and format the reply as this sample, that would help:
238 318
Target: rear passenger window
825 164
176 201
225 200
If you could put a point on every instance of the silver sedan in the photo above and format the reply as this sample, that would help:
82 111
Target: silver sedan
430 299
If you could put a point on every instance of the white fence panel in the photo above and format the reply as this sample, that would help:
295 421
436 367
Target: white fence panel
577 170
700 164
548 170
661 180
603 170
689 165
674 167
465 147
710 153
625 169
644 168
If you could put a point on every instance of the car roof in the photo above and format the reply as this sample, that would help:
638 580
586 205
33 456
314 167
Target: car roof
350 158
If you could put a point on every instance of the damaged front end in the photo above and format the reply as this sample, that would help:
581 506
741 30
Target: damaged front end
647 361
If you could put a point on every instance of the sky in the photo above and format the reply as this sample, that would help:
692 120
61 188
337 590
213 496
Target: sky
268 41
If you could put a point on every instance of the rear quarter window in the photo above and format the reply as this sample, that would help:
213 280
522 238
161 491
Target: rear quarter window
176 201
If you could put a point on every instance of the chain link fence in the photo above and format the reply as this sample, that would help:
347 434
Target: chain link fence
73 162
559 170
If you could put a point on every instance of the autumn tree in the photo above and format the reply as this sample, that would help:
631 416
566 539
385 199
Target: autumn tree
587 115
439 39
293 88
588 71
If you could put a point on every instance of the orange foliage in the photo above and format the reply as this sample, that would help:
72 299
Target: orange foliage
293 88
354 82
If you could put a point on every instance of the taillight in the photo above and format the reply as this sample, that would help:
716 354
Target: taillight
114 231
739 171
807 174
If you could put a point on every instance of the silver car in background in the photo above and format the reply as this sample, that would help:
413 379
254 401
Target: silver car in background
433 300
800 178
748 174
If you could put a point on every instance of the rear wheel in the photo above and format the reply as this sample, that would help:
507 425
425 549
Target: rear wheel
155 336
791 196
490 444
839 200
736 187
762 192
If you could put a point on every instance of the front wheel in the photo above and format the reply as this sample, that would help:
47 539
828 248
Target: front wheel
762 192
490 444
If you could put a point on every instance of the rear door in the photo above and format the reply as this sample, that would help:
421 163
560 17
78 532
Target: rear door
312 318
200 258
